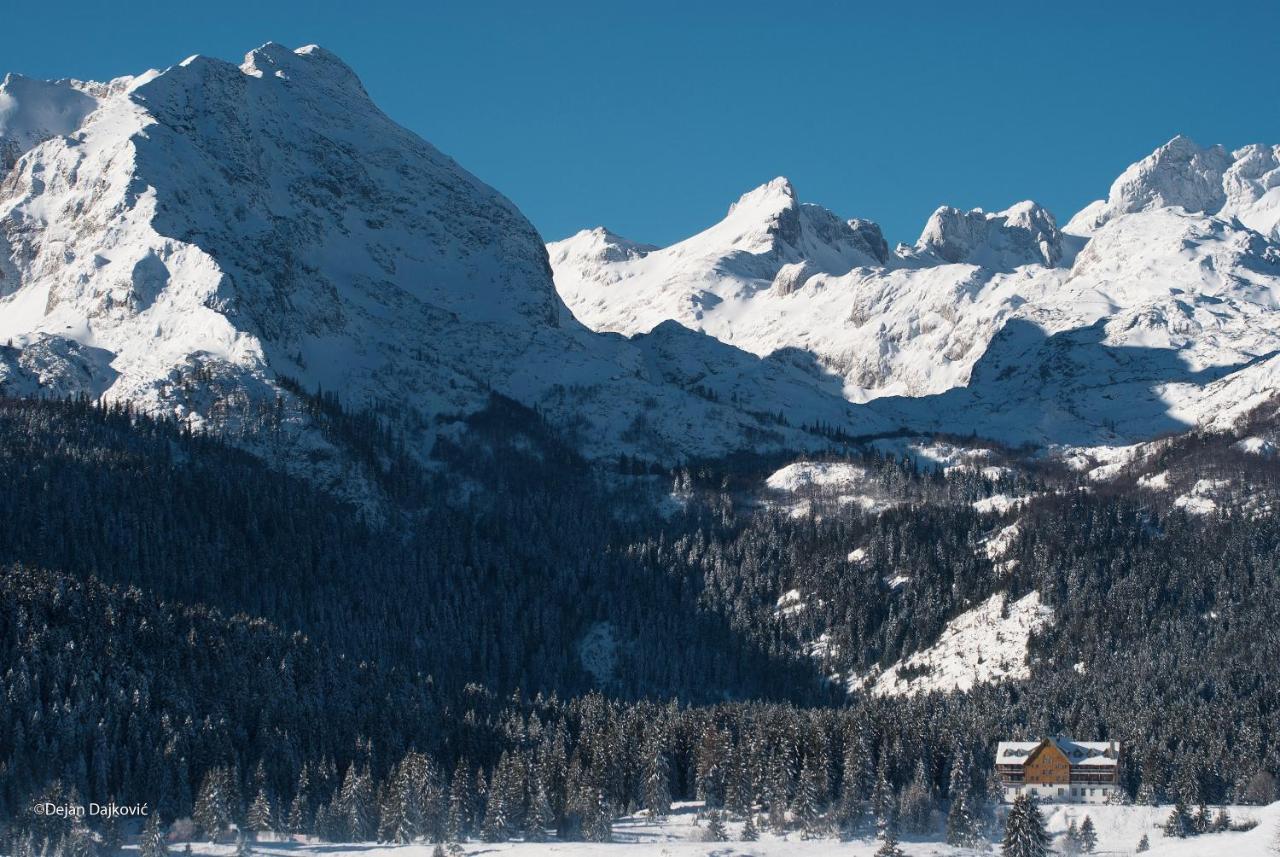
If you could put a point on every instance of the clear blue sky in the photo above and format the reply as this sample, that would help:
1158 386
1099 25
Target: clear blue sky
652 117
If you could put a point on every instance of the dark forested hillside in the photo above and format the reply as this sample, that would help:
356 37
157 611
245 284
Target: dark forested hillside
499 589
531 624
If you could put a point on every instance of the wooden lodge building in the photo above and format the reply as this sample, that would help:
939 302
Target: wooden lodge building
1059 770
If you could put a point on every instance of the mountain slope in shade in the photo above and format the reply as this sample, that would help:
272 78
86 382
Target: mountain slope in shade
185 238
1150 312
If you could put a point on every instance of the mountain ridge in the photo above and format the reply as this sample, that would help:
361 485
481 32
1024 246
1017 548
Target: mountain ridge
186 239
1182 278
205 230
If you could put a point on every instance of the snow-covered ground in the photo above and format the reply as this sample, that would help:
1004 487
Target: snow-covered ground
1119 830
976 647
797 486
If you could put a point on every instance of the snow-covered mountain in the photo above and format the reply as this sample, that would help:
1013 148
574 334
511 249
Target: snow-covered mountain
1151 311
189 240
186 238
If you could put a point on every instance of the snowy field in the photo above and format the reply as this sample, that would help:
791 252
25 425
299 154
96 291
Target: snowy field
1119 830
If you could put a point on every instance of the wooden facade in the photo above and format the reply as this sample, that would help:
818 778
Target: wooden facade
1047 765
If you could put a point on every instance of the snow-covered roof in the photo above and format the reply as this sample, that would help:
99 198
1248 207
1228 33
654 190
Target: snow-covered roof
1085 753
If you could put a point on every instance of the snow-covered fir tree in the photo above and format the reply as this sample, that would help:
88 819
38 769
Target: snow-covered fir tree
1024 830
715 831
261 816
151 842
1088 835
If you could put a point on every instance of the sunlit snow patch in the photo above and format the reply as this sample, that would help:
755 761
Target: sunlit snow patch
816 474
977 647
838 482
999 504
1203 497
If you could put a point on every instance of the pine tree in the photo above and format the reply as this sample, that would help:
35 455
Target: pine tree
1179 824
212 813
1088 836
513 789
243 848
261 817
356 805
1024 832
458 824
1071 839
1144 844
962 827
749 831
539 818
300 820
740 791
1202 822
715 827
1222 821
711 757
849 809
882 799
806 807
496 826
776 796
151 843
916 805
405 799
853 781
888 837
112 838
598 822
81 842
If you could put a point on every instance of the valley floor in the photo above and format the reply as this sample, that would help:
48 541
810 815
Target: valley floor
1119 830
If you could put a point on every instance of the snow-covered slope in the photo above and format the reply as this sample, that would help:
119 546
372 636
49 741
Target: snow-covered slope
768 242
1150 312
185 238
983 645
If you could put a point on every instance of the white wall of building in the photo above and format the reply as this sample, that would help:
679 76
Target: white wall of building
1061 793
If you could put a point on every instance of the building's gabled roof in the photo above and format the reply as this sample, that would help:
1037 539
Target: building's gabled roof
1015 752
1087 753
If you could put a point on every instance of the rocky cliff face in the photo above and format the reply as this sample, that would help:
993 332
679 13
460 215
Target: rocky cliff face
1025 234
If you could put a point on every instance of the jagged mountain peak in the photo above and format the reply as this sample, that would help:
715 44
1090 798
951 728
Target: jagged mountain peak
767 199
1244 184
768 241
769 228
206 240
599 244
1179 173
1173 292
1023 234
318 64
